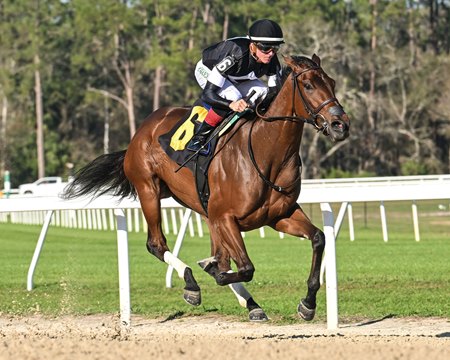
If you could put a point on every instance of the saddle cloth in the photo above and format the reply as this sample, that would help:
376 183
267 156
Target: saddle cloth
174 144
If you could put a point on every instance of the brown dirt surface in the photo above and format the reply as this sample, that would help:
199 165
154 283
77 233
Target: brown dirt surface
217 337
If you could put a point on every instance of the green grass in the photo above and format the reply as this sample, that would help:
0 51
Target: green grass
77 272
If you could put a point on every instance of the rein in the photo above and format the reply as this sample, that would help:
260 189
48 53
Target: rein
280 189
313 115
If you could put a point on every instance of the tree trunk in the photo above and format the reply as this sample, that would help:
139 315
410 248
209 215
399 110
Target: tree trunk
3 135
205 13
412 35
191 41
157 87
127 82
372 81
226 22
433 26
130 102
310 166
106 127
447 28
39 118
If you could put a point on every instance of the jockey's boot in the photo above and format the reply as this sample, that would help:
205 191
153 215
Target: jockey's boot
199 139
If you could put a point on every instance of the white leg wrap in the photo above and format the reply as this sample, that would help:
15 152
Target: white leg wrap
241 292
177 264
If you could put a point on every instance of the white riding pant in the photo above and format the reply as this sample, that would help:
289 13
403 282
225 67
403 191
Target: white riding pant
230 91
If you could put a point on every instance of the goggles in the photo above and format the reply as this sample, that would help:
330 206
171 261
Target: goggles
267 48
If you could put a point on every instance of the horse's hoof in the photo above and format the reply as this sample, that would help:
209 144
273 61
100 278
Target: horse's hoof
192 297
257 315
304 312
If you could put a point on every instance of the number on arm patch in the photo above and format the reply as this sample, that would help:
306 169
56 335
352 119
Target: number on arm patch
225 64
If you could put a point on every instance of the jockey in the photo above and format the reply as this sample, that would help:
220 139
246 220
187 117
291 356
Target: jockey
230 70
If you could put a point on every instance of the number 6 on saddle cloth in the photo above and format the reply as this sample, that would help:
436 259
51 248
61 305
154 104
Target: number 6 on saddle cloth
174 144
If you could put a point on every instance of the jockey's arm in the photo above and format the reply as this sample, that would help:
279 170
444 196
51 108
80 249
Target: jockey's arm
274 85
211 97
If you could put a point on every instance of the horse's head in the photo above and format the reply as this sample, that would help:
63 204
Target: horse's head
314 97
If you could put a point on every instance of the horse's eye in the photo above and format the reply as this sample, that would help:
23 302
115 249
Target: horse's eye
307 86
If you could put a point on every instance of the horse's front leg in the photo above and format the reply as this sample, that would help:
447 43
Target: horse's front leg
226 244
298 224
223 239
245 299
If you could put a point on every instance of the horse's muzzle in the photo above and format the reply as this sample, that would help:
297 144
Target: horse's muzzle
338 126
338 129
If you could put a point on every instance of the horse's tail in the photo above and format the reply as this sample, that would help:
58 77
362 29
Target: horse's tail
103 175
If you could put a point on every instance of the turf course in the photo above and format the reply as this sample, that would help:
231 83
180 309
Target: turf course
77 271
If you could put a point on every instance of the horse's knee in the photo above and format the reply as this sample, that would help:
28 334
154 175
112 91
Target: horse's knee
157 248
246 273
318 241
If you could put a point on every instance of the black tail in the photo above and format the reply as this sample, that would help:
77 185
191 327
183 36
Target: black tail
104 175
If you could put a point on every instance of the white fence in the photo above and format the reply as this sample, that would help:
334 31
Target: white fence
344 191
103 219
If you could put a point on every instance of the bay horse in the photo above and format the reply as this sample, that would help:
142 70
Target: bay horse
254 180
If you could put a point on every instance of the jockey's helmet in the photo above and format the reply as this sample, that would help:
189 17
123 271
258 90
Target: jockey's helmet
266 31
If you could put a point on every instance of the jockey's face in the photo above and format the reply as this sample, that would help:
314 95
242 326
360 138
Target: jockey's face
264 57
264 52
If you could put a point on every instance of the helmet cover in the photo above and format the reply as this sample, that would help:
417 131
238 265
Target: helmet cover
266 31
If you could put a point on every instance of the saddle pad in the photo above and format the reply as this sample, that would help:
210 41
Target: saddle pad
174 144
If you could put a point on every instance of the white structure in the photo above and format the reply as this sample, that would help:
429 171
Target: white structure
342 191
46 186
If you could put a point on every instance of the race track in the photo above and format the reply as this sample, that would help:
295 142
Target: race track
216 337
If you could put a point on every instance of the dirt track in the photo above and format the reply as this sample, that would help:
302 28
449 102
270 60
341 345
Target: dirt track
213 337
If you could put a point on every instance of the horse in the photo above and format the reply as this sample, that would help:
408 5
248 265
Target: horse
254 178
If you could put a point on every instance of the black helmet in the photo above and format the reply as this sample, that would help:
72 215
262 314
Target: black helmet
266 31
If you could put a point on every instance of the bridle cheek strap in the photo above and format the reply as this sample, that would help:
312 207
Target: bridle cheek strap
313 113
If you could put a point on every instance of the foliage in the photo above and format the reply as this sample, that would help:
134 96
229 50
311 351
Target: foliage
390 60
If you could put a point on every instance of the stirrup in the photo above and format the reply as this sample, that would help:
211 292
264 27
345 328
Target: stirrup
197 146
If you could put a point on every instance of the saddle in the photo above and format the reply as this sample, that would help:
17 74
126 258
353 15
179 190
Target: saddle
174 144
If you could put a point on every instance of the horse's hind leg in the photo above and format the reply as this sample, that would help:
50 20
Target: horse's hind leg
298 224
149 192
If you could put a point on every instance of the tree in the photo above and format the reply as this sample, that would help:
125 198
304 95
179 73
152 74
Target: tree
103 66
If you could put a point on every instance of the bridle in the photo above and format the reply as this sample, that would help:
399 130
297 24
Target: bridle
313 115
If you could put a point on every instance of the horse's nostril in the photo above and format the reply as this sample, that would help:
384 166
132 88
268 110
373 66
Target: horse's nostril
338 125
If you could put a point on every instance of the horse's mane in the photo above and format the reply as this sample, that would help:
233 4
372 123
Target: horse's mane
299 60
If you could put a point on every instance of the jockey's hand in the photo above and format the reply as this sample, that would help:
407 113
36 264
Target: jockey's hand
239 105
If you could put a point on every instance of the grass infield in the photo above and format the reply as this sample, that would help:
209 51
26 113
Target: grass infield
77 272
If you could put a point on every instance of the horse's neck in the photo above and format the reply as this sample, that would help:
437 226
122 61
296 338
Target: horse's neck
283 103
279 137
288 130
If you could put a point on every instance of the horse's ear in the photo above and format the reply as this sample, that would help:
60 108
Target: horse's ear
316 59
289 61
